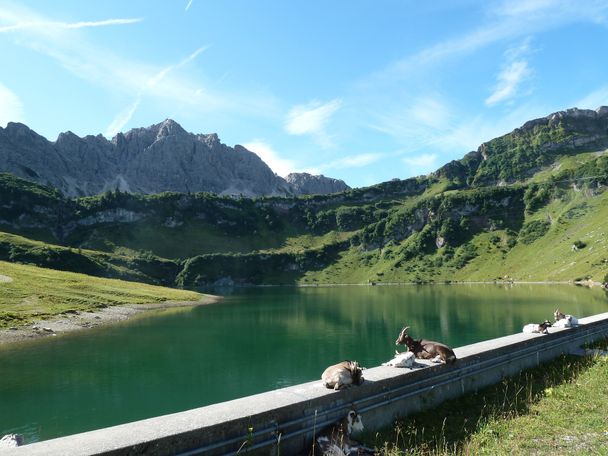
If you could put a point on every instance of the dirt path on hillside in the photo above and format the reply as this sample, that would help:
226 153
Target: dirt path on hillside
80 320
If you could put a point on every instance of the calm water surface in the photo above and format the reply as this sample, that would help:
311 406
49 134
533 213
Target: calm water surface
253 341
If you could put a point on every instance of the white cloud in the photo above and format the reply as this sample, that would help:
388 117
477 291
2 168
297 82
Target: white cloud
312 119
280 166
504 21
509 80
11 108
126 114
66 25
514 72
122 118
126 76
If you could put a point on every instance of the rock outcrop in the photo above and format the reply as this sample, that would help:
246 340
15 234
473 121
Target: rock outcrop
307 184
162 157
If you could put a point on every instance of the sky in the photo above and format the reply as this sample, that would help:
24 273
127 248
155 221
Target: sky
364 91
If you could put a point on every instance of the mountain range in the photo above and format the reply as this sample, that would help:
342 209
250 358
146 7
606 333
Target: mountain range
162 157
529 205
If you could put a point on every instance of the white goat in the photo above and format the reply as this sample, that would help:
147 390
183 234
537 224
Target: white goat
404 359
11 441
531 328
563 320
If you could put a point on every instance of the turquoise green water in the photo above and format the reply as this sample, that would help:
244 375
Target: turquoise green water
255 340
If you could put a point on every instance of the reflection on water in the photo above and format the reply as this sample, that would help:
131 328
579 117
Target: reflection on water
255 340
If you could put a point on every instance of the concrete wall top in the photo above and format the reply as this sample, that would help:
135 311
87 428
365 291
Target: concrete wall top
290 406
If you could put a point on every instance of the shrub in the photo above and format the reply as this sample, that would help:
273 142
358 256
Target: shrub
533 230
579 244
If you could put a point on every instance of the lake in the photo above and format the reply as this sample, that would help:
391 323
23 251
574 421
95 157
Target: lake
255 340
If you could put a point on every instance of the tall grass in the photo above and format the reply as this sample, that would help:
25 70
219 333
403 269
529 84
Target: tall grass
560 407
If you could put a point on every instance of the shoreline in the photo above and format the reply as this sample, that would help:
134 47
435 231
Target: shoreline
70 322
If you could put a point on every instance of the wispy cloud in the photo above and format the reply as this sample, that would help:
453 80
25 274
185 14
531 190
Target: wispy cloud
421 164
262 149
124 116
189 4
119 75
66 25
312 119
505 20
11 108
515 71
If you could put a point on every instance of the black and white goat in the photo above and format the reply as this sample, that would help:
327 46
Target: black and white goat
342 375
11 441
541 328
564 321
336 440
426 349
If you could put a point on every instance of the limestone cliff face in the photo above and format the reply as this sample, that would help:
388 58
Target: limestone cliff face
307 184
162 157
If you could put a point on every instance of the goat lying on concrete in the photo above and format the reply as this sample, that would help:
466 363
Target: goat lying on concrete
426 349
11 441
531 328
563 320
336 439
404 359
342 375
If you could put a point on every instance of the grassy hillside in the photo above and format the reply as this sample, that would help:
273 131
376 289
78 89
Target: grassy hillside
510 211
555 409
29 291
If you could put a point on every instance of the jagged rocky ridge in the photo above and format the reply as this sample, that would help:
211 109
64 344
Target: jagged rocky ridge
527 149
162 157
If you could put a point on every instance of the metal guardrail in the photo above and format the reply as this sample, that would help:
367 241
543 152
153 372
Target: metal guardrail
449 375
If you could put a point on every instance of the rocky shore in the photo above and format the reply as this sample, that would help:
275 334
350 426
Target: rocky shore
80 320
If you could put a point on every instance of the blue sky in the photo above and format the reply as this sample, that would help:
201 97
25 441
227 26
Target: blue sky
359 90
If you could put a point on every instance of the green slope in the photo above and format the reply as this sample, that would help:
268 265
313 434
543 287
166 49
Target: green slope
28 292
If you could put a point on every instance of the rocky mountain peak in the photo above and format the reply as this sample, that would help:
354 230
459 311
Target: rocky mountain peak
308 184
154 159
169 127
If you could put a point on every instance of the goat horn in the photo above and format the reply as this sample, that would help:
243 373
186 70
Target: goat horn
405 329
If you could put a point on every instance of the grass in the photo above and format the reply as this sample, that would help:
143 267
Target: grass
556 409
578 216
34 292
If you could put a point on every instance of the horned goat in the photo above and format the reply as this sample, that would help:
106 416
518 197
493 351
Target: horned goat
426 349
563 320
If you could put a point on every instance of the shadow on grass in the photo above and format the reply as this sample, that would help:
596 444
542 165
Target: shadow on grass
448 427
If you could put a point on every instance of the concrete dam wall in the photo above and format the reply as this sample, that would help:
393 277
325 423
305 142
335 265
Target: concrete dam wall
285 421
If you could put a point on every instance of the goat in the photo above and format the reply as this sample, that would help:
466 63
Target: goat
335 440
426 349
342 375
531 328
564 321
404 359
11 441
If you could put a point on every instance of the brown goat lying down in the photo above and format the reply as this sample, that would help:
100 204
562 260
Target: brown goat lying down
342 375
426 349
